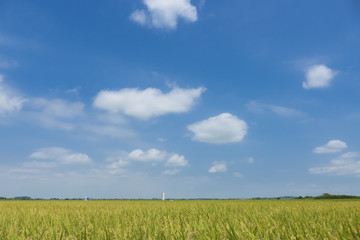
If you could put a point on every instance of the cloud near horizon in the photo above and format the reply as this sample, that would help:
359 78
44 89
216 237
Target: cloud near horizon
164 14
148 103
152 155
61 156
224 128
318 76
346 164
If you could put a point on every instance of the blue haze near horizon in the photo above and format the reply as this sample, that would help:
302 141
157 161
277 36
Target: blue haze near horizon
229 63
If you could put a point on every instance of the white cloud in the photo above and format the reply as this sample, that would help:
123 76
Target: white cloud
346 164
151 102
318 76
164 13
218 168
9 101
176 161
259 108
332 146
61 156
224 128
152 155
75 158
171 172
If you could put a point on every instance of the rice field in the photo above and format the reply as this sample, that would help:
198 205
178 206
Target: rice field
195 219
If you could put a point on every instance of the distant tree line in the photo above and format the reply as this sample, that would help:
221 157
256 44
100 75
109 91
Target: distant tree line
330 196
323 196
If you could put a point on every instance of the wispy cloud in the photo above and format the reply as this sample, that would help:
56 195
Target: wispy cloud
8 63
332 146
108 130
55 113
118 167
261 108
250 160
171 172
9 100
61 156
346 164
238 175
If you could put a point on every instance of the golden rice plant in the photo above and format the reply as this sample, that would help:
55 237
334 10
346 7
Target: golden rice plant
215 219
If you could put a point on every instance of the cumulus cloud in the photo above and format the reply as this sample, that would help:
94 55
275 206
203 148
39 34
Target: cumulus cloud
61 156
164 13
218 168
260 108
152 155
148 103
171 172
346 164
9 100
318 76
224 128
155 155
176 161
332 146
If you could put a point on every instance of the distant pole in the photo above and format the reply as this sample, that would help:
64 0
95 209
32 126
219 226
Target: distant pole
163 196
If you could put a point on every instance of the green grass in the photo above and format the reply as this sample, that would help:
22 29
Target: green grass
216 219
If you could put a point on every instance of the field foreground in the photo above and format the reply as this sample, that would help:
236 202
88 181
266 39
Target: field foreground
215 219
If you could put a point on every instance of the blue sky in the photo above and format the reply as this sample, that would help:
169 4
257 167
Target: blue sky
192 98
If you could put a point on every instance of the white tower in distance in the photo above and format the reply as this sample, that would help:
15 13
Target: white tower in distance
163 196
